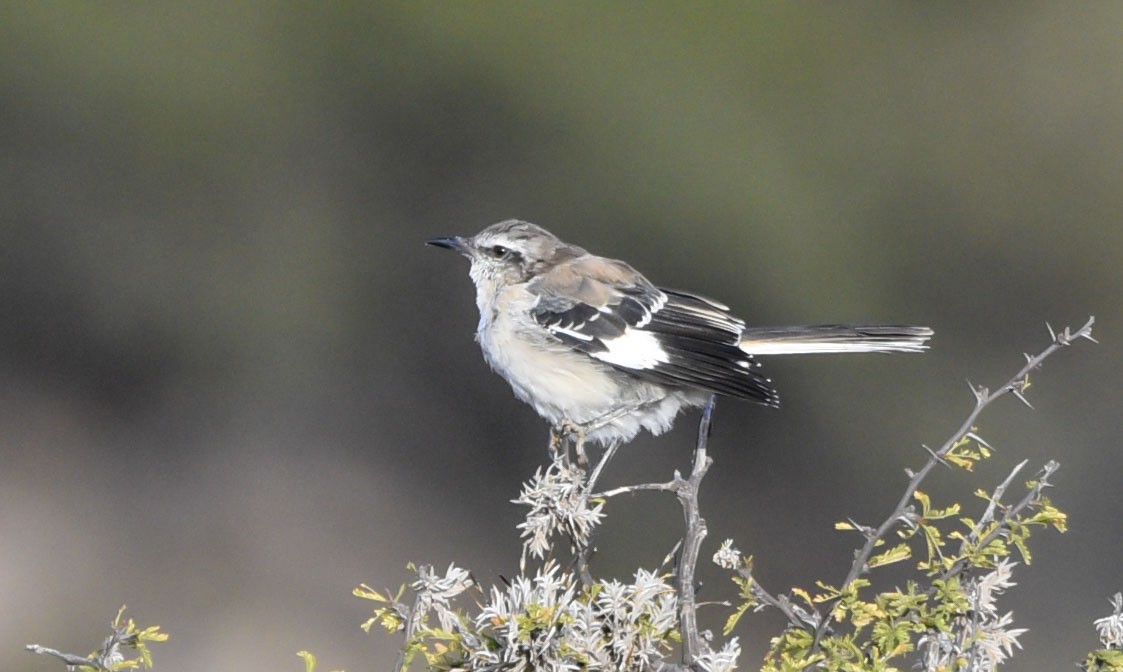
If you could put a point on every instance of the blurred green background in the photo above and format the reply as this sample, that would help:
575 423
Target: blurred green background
234 383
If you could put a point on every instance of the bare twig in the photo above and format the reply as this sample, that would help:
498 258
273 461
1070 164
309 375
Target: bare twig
608 453
797 616
70 659
983 398
111 655
995 502
626 489
687 491
105 658
584 554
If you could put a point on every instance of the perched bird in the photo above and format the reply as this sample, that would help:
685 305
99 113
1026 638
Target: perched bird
600 352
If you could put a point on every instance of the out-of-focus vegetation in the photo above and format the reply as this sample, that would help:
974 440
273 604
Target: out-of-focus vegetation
233 382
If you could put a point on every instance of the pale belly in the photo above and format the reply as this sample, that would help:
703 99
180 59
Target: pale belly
566 386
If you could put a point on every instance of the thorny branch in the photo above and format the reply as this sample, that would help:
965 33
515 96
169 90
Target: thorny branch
983 398
687 491
70 659
1032 497
995 502
111 655
796 615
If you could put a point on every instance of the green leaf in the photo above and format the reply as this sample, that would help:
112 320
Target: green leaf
1020 543
803 595
735 617
367 593
961 461
830 592
1104 660
896 554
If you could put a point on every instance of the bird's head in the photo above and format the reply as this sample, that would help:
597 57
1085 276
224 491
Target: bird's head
509 252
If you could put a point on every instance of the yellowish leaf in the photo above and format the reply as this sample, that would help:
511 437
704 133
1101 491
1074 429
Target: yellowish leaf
896 554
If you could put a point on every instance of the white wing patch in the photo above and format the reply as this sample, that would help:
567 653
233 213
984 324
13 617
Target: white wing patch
635 349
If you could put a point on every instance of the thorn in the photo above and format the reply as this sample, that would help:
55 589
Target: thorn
1029 358
980 392
672 555
1019 395
865 530
935 456
909 517
910 473
1086 330
1002 487
1052 334
978 439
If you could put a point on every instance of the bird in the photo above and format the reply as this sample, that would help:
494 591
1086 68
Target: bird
601 353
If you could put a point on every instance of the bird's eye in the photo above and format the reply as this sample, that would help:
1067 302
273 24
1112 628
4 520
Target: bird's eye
498 251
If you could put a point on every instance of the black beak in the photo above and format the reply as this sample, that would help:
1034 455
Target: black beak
451 243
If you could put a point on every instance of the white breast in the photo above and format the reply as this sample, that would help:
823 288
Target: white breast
567 386
562 385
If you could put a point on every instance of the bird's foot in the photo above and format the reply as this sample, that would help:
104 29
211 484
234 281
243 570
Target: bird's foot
560 438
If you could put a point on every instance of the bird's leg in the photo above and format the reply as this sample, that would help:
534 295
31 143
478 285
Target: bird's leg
578 436
561 436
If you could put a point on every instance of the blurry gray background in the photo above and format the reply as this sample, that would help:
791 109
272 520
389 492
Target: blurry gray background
234 383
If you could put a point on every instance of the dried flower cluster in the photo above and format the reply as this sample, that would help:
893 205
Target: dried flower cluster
1111 627
544 622
559 504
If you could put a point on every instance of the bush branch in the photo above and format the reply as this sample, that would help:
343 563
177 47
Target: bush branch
1009 513
687 491
983 398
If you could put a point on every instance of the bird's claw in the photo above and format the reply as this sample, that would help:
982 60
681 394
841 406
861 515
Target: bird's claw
561 435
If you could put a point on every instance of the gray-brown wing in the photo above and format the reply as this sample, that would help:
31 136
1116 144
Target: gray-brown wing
609 311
